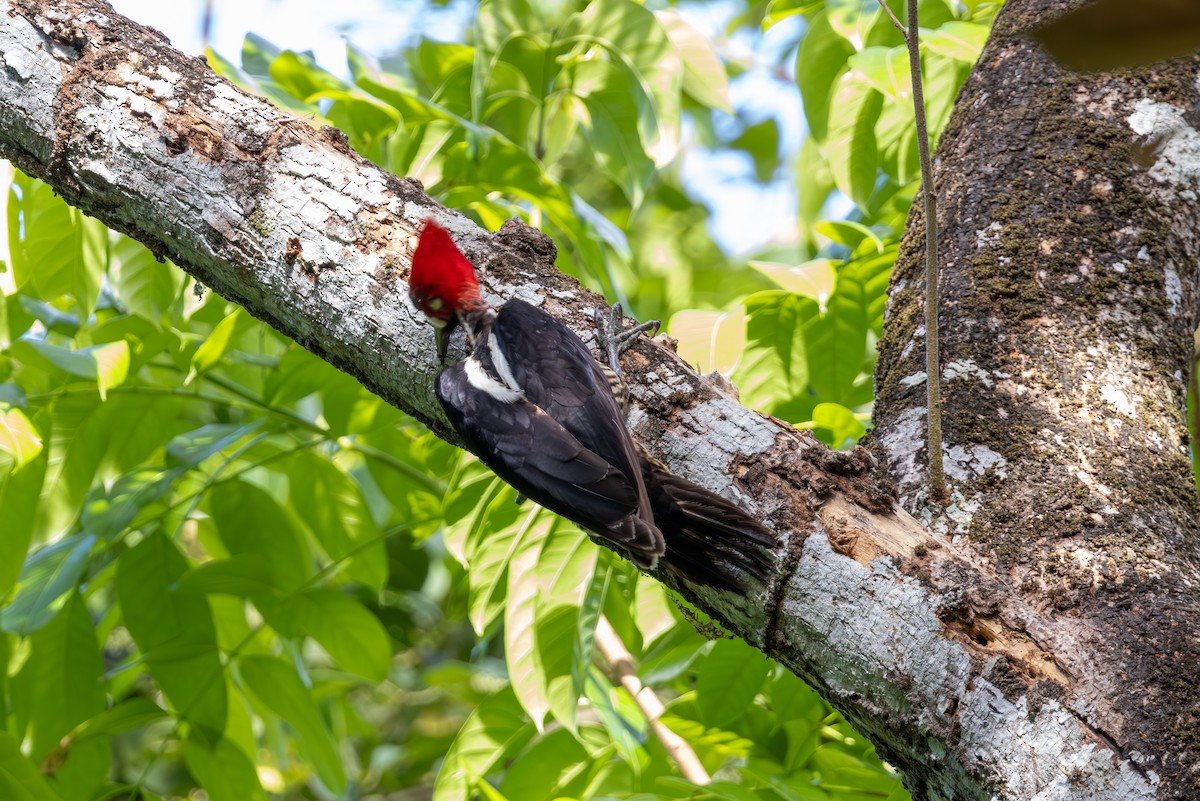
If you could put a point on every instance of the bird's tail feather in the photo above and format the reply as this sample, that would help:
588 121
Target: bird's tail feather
709 540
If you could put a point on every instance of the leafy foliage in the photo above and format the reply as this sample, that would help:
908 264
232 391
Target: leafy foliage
225 565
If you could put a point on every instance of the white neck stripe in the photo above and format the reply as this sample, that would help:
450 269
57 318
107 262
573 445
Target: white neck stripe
478 378
501 363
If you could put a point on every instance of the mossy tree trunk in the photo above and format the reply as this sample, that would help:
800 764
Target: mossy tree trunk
1071 243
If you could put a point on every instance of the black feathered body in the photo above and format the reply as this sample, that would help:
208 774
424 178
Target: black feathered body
533 404
543 418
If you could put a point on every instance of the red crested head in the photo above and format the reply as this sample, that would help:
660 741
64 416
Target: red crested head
443 283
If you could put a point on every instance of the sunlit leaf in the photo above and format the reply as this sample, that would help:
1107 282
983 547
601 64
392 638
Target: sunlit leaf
708 339
19 440
822 57
813 279
492 734
850 147
213 349
956 39
886 69
45 580
704 75
843 427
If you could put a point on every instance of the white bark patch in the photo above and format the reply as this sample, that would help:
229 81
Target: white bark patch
966 368
963 463
1176 144
986 237
711 433
1174 290
904 440
913 380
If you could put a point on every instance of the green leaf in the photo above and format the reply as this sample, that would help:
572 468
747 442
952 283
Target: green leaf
844 429
814 279
637 43
251 522
886 69
820 61
298 375
779 10
109 511
728 681
145 286
491 735
190 449
521 654
349 633
775 366
837 343
492 542
223 770
174 632
276 685
45 579
956 39
132 713
851 147
852 19
59 322
245 576
58 688
704 75
112 365
331 505
19 441
19 779
20 493
213 349
555 766
53 247
611 126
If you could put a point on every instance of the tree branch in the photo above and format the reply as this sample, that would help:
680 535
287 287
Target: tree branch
620 661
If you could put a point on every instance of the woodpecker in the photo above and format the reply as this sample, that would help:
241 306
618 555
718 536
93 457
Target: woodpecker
533 405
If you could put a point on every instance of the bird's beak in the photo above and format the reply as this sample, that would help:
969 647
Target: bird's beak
442 334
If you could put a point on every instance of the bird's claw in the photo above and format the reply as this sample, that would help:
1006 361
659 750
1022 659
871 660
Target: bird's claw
615 341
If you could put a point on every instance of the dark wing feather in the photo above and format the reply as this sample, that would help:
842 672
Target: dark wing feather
559 374
537 456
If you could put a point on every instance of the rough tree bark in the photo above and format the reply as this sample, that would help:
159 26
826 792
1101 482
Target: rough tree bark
1035 642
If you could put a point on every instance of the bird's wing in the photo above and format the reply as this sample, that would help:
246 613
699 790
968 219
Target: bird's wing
543 461
559 375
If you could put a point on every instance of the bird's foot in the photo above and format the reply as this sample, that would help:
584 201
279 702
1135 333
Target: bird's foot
613 340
